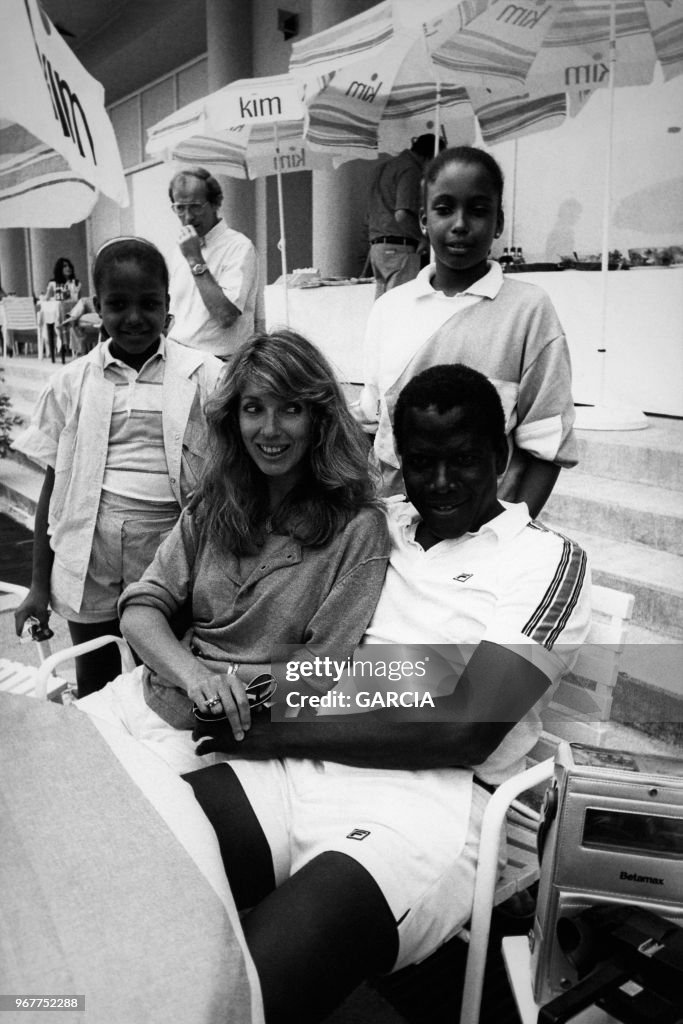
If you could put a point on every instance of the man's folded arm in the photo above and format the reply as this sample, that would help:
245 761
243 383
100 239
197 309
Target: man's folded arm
495 690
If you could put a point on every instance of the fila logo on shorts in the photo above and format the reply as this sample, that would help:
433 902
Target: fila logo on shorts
358 833
463 577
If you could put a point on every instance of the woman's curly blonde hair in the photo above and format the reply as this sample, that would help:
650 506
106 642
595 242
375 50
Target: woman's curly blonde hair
337 481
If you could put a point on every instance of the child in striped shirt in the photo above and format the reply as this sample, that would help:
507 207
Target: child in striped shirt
122 435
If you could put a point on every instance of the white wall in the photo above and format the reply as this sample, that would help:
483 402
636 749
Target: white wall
154 218
567 166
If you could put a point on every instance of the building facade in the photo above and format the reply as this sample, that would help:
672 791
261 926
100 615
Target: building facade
156 56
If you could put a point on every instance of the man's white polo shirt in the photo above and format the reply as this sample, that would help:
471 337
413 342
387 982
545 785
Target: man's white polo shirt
232 260
513 583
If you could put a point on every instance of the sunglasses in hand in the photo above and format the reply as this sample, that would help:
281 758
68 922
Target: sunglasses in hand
259 694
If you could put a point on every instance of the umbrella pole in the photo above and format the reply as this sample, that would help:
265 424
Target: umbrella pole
606 415
607 205
513 190
437 137
282 244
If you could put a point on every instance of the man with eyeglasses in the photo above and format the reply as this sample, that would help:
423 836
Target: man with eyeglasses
215 292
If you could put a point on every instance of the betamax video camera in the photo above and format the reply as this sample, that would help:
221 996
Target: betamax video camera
611 834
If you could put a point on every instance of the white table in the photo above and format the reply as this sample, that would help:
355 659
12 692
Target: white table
517 960
644 329
644 333
112 882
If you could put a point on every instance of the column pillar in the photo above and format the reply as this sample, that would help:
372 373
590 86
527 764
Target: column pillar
229 57
13 261
339 197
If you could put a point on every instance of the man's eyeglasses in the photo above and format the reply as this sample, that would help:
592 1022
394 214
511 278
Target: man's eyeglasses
194 209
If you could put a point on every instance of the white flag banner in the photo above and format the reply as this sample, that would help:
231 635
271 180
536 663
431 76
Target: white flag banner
58 149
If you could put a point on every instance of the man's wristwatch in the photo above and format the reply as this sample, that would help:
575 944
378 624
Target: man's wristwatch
198 269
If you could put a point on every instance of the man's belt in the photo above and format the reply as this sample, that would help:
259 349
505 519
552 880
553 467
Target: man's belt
394 240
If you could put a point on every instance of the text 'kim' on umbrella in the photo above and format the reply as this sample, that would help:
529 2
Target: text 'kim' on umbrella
250 128
370 84
58 149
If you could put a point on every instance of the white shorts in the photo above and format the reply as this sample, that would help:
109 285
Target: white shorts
416 833
127 535
122 702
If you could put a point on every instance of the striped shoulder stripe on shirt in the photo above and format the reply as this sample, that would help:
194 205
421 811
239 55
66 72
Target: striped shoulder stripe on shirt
553 611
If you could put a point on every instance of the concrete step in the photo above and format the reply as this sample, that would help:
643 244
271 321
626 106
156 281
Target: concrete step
651 676
21 406
652 456
27 376
654 577
20 486
624 510
649 689
23 380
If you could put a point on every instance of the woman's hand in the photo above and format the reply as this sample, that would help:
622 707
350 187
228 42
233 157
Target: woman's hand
220 693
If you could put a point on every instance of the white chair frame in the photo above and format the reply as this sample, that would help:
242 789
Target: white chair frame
16 676
51 663
577 714
19 314
41 682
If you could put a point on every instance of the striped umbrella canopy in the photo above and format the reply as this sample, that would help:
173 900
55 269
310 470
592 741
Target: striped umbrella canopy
250 128
546 46
372 83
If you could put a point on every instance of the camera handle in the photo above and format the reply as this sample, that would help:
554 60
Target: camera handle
605 977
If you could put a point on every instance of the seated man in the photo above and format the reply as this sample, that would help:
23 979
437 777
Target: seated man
354 839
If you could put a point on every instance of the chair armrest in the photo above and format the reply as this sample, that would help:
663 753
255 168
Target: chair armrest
11 596
45 670
485 882
13 588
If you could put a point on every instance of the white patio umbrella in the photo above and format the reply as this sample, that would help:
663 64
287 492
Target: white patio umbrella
576 46
58 150
249 128
502 54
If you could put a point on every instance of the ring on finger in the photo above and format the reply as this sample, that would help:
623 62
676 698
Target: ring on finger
212 703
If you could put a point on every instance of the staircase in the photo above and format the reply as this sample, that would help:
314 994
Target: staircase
624 505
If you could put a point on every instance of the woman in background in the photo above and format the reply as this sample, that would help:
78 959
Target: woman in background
65 287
